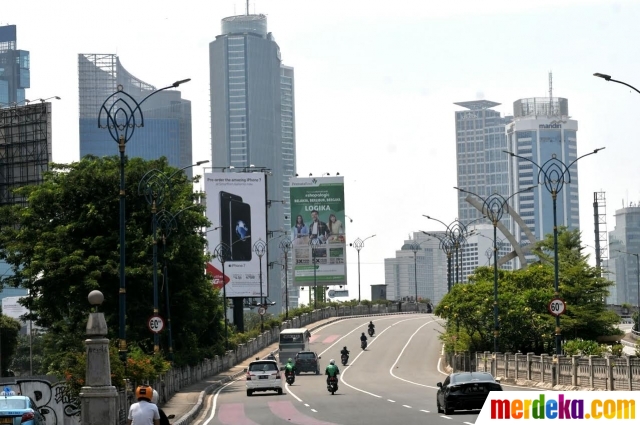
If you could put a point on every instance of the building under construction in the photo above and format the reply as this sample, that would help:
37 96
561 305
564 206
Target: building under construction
25 148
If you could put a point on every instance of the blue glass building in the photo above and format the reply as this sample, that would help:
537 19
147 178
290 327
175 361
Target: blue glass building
14 68
167 117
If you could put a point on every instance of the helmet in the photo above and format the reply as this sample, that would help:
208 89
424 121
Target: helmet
345 347
144 392
362 333
290 360
154 397
332 361
371 322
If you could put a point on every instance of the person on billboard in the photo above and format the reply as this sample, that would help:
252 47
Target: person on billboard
300 232
318 229
335 229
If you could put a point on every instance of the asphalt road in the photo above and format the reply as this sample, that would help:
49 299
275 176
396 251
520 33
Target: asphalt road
393 381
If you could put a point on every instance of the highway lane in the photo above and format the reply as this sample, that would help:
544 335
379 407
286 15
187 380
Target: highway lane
393 380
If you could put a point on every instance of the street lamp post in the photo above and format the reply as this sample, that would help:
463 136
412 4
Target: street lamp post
122 114
222 253
260 248
285 246
638 281
554 174
608 78
358 244
494 207
446 245
314 248
415 247
153 186
457 233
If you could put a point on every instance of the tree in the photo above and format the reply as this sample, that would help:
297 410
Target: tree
523 296
9 330
65 243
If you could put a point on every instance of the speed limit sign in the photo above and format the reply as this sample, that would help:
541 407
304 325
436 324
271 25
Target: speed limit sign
262 311
557 307
156 324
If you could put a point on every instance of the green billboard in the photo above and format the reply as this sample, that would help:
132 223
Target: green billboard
318 231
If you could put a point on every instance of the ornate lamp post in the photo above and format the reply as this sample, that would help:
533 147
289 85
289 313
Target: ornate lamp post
638 280
554 174
121 114
314 248
494 207
285 247
358 244
260 248
447 246
415 247
153 186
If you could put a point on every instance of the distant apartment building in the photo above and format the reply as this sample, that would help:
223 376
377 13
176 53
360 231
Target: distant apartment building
624 245
167 117
253 123
15 74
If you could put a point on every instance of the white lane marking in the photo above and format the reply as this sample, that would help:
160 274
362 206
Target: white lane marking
400 355
469 423
314 410
306 405
392 401
370 344
425 411
215 400
446 417
408 407
290 392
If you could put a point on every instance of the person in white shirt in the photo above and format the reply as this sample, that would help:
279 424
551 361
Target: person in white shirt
143 412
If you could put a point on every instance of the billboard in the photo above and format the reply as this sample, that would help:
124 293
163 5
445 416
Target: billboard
318 231
237 210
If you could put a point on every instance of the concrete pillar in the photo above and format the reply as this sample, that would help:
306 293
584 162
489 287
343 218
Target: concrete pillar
98 398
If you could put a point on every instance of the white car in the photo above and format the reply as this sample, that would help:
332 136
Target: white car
263 375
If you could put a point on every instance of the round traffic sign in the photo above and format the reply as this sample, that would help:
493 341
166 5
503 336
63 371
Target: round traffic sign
156 324
331 293
557 307
262 311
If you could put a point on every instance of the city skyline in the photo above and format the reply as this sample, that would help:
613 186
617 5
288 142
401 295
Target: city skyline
375 87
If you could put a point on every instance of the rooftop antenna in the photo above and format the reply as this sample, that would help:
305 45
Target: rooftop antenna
247 7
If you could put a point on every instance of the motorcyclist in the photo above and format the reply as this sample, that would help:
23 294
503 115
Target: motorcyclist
363 337
290 367
331 370
271 356
164 420
344 351
371 325
143 412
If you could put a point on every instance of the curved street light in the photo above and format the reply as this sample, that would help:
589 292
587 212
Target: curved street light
554 174
358 244
222 252
285 247
121 119
638 280
494 207
608 78
314 251
260 248
415 247
448 247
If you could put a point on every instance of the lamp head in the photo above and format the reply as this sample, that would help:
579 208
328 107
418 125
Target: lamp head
177 83
605 76
202 162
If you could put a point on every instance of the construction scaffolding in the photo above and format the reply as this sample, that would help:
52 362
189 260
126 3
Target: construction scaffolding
25 148
600 228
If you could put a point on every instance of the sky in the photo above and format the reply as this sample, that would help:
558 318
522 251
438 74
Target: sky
375 86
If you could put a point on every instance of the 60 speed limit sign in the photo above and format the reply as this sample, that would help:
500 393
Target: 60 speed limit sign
557 307
156 324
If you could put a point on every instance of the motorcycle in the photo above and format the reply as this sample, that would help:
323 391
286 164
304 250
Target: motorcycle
290 377
345 359
333 385
363 344
370 331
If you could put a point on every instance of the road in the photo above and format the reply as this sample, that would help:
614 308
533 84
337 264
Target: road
393 381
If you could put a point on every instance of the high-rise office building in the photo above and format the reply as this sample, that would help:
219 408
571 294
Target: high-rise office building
624 245
253 123
167 117
482 164
14 68
541 130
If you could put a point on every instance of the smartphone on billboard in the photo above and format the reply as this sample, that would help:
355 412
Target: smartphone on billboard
241 248
226 229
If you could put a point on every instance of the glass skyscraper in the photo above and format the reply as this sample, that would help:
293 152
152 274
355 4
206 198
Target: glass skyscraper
14 68
623 267
482 164
253 122
167 117
541 129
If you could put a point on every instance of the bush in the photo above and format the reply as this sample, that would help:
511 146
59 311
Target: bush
580 347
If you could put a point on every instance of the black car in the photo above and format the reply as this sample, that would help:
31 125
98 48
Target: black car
465 391
307 361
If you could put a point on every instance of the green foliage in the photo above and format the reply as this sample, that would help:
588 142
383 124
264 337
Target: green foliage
617 349
9 330
580 347
143 368
21 364
65 243
523 296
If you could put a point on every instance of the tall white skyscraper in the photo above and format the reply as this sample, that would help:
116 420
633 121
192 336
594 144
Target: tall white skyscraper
253 124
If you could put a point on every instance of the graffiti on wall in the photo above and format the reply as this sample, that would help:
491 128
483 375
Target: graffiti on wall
53 400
